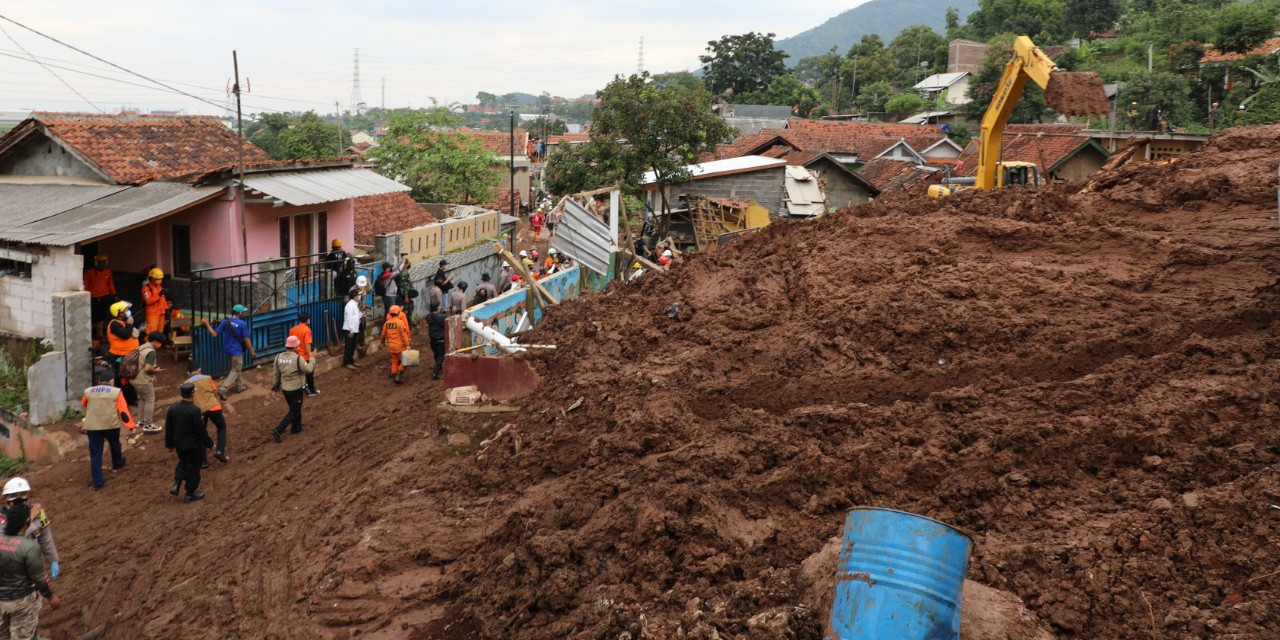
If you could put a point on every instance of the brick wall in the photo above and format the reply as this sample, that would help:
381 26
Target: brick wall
764 186
965 55
26 309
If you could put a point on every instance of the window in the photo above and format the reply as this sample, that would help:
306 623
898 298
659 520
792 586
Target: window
284 237
15 268
322 232
181 250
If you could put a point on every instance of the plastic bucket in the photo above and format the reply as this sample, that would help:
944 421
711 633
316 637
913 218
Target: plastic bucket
899 576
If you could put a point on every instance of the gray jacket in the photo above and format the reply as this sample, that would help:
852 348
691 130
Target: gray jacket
292 370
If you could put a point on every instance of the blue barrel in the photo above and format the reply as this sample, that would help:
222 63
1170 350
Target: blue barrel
899 577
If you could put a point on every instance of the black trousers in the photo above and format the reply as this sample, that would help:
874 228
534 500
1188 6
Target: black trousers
220 423
189 461
294 416
437 350
349 349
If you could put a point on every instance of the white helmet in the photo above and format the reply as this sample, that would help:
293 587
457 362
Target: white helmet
16 485
552 252
667 253
524 254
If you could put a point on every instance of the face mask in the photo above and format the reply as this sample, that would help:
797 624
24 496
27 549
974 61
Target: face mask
128 314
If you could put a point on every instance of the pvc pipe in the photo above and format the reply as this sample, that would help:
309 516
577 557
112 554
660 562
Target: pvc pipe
494 336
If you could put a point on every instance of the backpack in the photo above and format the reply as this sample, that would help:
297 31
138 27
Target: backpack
131 364
380 287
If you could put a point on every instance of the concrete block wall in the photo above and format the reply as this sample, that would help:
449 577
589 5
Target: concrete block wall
26 307
73 337
458 234
765 187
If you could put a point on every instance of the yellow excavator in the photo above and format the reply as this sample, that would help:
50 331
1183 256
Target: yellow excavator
1070 93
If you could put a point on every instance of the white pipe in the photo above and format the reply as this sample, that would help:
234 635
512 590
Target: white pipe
493 336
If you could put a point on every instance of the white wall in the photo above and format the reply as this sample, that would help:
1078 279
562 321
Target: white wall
25 306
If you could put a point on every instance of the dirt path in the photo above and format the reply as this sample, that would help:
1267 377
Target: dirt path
1085 381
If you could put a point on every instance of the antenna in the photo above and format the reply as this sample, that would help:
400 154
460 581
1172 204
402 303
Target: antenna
640 65
357 102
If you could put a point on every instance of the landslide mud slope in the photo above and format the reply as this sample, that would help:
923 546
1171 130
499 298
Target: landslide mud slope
1084 381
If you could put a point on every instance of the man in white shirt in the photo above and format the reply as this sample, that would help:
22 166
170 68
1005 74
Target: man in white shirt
351 316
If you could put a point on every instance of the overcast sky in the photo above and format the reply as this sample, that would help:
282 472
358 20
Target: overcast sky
298 55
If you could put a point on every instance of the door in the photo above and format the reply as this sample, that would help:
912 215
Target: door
302 245
181 250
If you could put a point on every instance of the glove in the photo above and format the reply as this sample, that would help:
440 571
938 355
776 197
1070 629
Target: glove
53 570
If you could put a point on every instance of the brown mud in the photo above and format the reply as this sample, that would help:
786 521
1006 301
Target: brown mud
1077 93
1084 380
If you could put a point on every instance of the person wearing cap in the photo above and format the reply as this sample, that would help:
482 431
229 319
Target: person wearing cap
155 298
352 316
303 331
210 405
335 261
101 285
526 260
185 433
665 258
122 339
105 412
22 578
490 291
144 382
18 491
395 335
291 375
235 342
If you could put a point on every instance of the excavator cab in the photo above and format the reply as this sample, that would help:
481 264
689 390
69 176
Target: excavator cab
1019 173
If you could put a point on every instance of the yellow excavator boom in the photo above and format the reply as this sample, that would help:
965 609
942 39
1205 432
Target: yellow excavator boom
1029 63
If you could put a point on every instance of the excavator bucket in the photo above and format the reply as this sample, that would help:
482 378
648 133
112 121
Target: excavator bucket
1076 93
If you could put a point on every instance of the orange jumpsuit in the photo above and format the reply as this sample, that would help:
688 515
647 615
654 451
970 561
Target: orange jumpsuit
395 334
157 306
99 283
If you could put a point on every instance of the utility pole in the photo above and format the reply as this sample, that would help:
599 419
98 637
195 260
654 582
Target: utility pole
515 214
235 88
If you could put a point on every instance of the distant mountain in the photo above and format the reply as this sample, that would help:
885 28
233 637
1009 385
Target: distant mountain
886 18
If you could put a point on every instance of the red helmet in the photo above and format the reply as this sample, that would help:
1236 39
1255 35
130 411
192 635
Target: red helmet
534 253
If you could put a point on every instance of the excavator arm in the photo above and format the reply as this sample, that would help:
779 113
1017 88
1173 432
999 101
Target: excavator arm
1029 63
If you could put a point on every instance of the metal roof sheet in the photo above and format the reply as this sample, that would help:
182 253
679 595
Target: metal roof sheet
720 167
63 215
302 188
940 80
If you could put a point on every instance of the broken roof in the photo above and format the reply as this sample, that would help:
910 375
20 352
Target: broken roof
894 175
723 167
134 149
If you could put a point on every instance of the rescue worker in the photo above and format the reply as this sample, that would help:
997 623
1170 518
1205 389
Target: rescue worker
303 331
526 260
105 412
550 261
210 405
122 339
235 341
335 261
395 335
101 285
185 433
155 298
436 332
18 491
458 299
345 277
144 382
536 221
291 375
22 581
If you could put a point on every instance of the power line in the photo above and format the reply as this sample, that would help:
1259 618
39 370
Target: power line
51 71
112 64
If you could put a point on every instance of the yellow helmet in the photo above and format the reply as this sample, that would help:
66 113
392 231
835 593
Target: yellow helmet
336 243
101 257
119 308
155 274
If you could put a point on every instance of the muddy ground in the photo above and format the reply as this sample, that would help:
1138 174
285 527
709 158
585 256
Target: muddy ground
1085 381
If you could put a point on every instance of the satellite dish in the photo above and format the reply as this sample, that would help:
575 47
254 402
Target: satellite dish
362 281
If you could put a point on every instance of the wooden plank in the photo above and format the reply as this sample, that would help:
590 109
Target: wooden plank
519 268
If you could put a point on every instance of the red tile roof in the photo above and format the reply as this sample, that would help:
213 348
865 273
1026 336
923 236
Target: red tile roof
503 202
569 137
1212 55
865 139
387 213
895 175
499 142
1059 128
133 149
1045 151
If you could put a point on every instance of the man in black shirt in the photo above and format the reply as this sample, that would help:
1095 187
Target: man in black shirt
435 331
185 432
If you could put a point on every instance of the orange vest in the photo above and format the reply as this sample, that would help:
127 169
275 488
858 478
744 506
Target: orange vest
154 299
396 332
120 346
99 283
304 334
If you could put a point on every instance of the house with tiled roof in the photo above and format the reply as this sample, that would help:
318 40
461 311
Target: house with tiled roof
857 142
1058 157
842 186
894 175
385 213
162 191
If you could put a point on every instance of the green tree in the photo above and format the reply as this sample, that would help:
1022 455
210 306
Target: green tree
486 99
294 136
917 52
787 90
682 79
438 164
742 63
1242 26
665 129
1039 19
873 96
1090 16
1162 90
903 105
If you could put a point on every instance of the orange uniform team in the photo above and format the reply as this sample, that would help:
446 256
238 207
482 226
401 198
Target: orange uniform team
395 334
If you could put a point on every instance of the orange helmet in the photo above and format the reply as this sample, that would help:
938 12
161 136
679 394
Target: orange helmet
394 310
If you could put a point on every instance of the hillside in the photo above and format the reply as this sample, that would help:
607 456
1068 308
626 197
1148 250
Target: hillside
883 17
